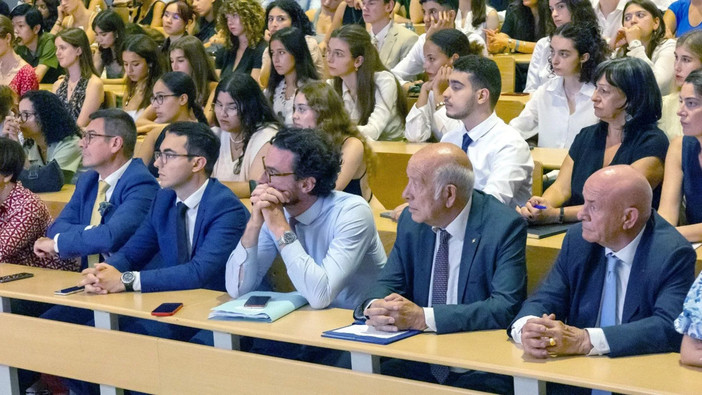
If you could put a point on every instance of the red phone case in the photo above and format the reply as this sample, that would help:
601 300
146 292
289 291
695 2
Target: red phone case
166 313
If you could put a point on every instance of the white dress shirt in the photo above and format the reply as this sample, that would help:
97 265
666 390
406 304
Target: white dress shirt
465 23
334 262
611 23
547 113
600 345
380 37
539 67
423 122
661 61
112 181
413 64
193 203
457 230
385 122
501 160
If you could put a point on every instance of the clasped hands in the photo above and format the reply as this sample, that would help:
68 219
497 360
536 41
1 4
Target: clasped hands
267 206
546 336
625 35
102 279
395 313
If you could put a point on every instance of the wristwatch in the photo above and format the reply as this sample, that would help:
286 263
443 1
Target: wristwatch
288 237
128 281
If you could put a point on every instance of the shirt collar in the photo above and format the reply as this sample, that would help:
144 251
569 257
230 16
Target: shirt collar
113 178
483 127
627 253
193 200
555 84
383 32
457 227
311 213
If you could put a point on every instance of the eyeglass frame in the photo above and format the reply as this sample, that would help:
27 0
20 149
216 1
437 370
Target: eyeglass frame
90 135
23 116
268 173
159 98
166 156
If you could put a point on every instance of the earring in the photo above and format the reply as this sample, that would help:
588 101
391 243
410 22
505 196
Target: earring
355 67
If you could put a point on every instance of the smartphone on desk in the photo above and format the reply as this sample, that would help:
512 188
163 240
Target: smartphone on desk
257 302
69 291
167 309
16 276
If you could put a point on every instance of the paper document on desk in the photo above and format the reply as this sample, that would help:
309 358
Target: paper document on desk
367 334
278 306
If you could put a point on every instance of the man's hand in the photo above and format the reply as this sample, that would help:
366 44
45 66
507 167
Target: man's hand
546 336
394 313
44 248
102 279
271 203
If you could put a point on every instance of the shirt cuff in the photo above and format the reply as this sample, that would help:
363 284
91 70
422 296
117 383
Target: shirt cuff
429 319
137 282
600 345
516 332
56 243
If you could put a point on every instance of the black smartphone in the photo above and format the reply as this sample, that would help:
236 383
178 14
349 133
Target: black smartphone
257 302
16 276
69 291
166 309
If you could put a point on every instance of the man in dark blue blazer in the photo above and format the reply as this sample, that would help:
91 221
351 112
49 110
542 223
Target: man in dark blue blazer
213 221
619 280
483 282
108 145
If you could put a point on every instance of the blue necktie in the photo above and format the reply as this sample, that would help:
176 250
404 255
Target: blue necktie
608 313
466 142
438 291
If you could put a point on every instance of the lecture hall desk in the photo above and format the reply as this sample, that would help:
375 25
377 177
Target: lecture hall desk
166 366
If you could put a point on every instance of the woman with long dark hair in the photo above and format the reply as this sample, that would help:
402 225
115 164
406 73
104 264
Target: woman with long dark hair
109 35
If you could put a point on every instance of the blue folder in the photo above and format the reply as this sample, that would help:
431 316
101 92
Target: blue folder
361 333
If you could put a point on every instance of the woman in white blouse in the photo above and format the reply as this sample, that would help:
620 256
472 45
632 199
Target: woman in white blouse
560 108
427 118
371 94
562 12
642 36
292 67
246 125
473 16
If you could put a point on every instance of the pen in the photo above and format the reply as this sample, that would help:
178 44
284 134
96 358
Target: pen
540 207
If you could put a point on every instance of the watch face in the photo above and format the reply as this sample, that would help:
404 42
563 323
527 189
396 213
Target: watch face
289 237
127 277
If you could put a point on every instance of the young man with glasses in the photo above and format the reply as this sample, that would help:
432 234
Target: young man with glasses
110 199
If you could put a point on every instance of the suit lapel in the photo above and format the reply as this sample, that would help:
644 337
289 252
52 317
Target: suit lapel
426 262
390 39
201 213
470 243
117 193
638 276
592 294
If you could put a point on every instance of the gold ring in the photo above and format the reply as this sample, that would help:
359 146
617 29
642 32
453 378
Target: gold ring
551 341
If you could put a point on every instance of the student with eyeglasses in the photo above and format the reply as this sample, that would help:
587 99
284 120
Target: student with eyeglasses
49 133
174 99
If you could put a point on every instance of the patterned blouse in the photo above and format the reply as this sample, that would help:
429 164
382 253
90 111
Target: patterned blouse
75 103
23 219
689 322
25 80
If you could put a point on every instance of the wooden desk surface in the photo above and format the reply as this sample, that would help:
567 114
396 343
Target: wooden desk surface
486 350
550 158
519 58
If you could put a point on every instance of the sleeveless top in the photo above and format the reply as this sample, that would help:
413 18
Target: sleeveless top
354 186
148 18
692 179
76 102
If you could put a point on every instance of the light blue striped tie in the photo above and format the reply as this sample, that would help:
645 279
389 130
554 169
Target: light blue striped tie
608 313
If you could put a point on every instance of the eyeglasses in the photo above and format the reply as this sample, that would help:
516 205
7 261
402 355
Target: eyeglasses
227 110
90 135
166 156
159 98
268 171
24 116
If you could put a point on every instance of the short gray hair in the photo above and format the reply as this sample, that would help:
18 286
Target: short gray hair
452 173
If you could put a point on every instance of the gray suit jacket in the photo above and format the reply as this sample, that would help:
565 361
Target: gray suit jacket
397 45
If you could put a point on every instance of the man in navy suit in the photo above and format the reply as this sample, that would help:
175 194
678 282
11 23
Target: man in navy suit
619 281
458 263
209 215
108 146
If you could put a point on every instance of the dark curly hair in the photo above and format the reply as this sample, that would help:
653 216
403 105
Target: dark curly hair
250 14
586 40
294 42
581 12
54 120
658 35
253 109
297 15
315 155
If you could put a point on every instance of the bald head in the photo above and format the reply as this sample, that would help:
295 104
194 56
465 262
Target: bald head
617 205
440 183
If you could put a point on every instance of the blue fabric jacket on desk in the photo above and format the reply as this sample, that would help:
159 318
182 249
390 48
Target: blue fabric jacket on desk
221 219
661 275
492 276
129 204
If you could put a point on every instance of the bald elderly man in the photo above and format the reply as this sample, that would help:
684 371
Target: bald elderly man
619 280
458 263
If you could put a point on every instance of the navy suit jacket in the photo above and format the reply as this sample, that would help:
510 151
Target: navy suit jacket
221 219
661 274
492 276
130 201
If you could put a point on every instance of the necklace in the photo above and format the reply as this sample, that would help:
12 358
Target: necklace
238 141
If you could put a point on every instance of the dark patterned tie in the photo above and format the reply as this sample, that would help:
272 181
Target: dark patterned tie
182 233
438 293
466 142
